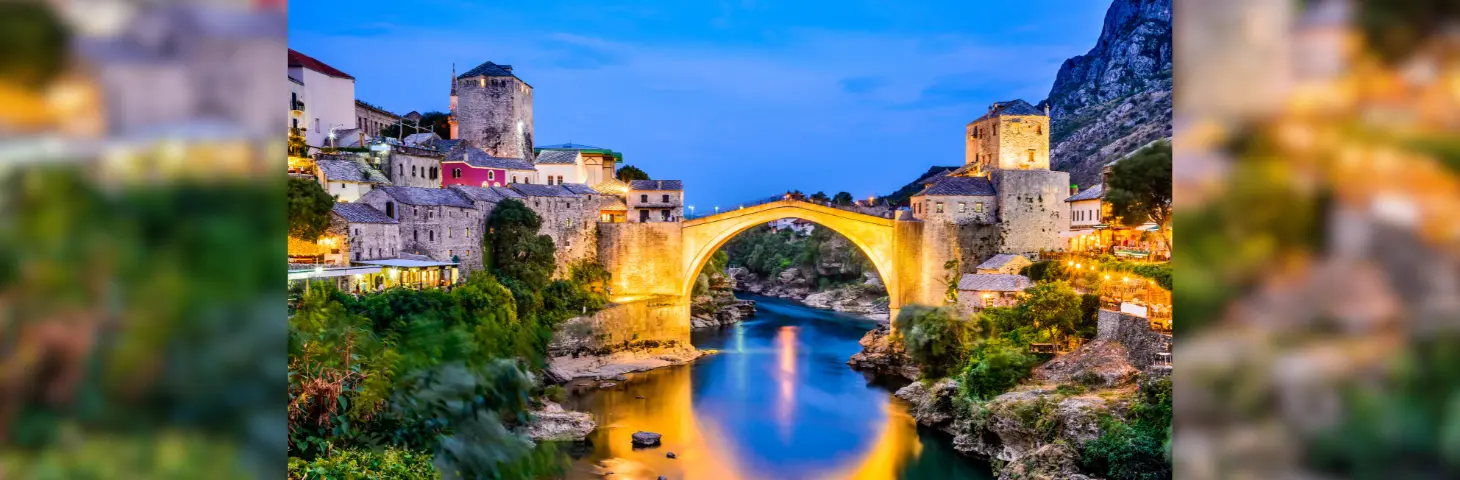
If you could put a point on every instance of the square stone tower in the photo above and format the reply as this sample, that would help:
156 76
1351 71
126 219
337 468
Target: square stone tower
493 111
1013 135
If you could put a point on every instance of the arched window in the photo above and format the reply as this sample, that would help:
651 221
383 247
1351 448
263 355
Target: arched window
416 235
431 235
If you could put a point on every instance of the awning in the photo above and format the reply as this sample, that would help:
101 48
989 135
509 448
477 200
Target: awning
328 272
406 263
1101 226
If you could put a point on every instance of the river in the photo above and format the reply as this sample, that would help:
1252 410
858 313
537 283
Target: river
778 401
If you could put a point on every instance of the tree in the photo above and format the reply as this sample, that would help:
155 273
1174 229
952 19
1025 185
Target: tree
517 251
628 173
819 197
36 42
1052 305
309 209
1139 188
935 338
842 198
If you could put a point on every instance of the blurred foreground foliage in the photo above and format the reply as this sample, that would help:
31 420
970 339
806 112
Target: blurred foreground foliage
131 345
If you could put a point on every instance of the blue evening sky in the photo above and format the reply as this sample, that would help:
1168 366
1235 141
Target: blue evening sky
741 99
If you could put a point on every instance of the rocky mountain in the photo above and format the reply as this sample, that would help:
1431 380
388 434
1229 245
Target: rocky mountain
1116 98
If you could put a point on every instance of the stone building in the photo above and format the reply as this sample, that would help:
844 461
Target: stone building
1011 136
371 119
574 163
977 291
1003 263
570 215
957 200
1085 213
439 223
655 201
370 234
414 167
347 179
492 109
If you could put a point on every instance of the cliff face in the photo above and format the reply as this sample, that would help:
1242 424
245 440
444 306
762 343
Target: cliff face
1116 98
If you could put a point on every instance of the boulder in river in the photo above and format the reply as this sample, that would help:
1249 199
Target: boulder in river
646 439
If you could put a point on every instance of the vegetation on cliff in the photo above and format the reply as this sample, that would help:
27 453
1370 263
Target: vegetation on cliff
824 257
378 381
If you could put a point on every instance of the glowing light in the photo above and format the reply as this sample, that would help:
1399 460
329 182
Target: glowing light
1070 263
1124 279
1107 277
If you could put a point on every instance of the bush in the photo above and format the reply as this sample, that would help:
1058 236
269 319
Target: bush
1135 449
359 463
1043 270
995 366
935 338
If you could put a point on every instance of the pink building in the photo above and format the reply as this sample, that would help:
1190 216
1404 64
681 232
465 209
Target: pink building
474 167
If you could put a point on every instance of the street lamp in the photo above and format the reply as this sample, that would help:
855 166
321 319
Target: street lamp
691 210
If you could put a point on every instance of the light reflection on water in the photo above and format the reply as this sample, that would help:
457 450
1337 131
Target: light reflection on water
778 401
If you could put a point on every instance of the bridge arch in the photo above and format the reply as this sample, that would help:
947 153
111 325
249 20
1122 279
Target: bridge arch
874 236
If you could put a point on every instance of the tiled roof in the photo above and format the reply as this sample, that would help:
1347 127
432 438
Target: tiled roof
297 59
535 190
989 282
424 140
656 185
362 103
507 192
959 186
349 171
557 157
477 157
568 146
580 189
998 261
613 204
446 144
480 194
1091 193
427 196
489 69
612 186
1012 107
361 213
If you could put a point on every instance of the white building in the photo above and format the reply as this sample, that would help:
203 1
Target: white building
655 201
330 95
573 163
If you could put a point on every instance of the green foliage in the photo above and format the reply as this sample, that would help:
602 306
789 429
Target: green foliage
1135 448
819 197
994 366
767 253
35 40
629 173
1052 305
935 338
1139 187
842 198
1089 323
354 463
1157 272
951 275
109 457
517 250
309 209
1043 271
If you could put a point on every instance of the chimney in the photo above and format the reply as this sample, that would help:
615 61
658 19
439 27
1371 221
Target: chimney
1046 109
1074 188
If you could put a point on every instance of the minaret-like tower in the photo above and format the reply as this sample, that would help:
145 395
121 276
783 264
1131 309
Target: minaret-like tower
494 111
451 117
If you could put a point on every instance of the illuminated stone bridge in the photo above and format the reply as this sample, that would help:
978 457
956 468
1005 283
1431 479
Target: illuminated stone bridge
654 265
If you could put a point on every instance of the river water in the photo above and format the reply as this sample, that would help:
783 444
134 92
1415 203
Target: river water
778 401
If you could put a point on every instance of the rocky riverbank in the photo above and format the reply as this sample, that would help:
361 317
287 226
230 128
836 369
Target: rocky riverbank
868 297
1036 430
566 368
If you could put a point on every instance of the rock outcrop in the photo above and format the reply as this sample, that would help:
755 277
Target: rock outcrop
883 355
1116 98
553 424
722 315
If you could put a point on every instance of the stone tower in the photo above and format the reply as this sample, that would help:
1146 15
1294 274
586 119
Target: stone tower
494 111
1013 135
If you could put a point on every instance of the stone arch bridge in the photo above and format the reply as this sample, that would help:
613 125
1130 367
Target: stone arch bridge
653 265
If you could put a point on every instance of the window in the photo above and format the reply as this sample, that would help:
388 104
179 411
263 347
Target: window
342 185
316 124
643 215
390 210
357 232
1031 155
1038 129
468 253
413 171
400 169
448 233
644 198
431 235
962 207
664 214
449 252
560 179
295 121
514 179
938 207
491 174
456 173
416 235
666 199
978 207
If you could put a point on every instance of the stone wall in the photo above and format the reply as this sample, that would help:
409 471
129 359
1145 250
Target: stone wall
939 245
414 170
1135 334
367 241
572 223
1018 134
644 258
439 232
1031 209
659 318
487 114
959 210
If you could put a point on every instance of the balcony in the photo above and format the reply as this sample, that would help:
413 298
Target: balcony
296 106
